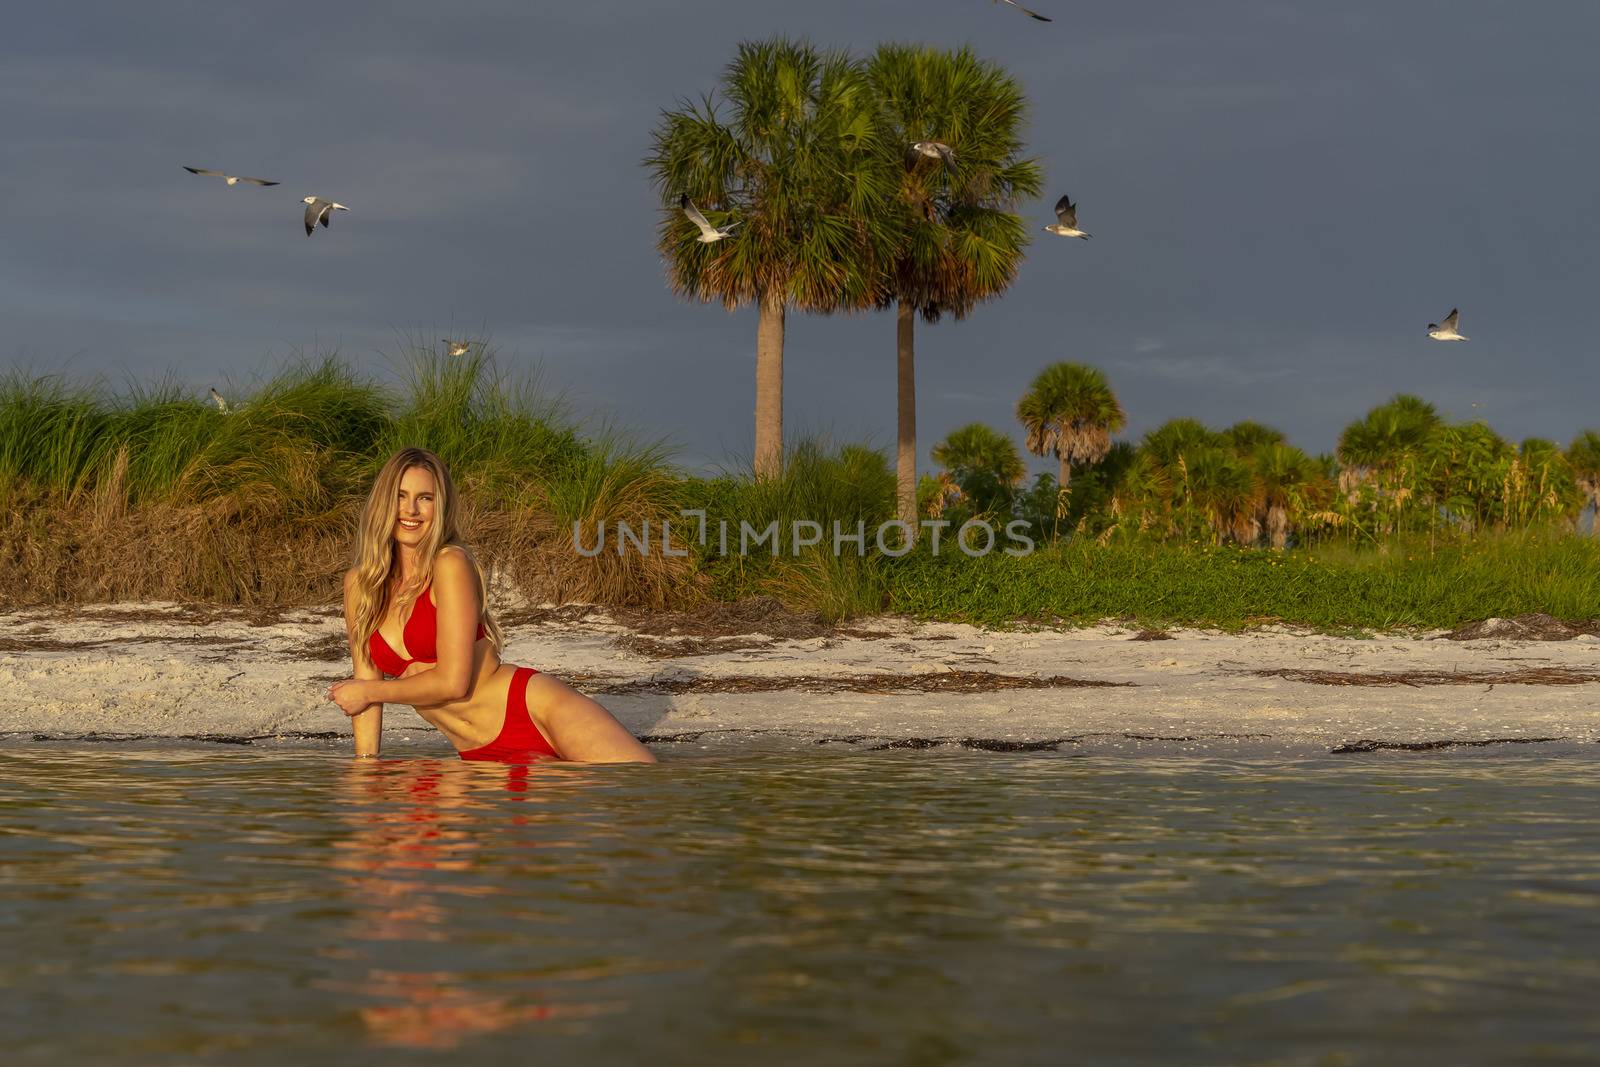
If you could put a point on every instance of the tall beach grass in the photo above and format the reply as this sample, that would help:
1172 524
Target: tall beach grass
157 494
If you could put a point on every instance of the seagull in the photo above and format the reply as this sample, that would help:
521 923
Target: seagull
936 150
1066 220
222 405
458 348
1025 11
231 179
708 232
1449 329
318 210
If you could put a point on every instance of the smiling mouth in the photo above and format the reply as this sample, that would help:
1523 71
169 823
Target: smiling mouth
411 525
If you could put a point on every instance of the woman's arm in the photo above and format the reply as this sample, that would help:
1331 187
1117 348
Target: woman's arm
455 592
367 724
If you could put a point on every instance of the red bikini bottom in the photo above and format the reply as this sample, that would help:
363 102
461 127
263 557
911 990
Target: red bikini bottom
520 740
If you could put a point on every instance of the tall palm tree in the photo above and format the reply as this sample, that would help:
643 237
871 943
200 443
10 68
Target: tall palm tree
799 167
1070 412
962 240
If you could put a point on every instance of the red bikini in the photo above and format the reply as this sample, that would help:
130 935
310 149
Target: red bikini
520 740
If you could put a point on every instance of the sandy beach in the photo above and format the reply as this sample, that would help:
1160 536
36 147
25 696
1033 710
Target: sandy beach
154 671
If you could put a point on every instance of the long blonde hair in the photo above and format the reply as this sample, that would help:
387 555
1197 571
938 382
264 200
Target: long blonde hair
373 556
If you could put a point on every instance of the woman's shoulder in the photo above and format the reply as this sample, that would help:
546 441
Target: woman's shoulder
453 556
454 572
453 565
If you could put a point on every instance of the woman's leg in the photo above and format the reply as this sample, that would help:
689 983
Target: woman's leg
580 728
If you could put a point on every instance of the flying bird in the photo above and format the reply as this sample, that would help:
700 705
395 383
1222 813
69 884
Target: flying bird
1066 220
318 210
708 232
1025 11
936 150
458 348
222 405
231 179
1449 329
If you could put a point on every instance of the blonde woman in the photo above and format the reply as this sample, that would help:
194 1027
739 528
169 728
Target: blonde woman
421 634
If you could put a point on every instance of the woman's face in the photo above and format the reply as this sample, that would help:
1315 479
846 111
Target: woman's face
416 507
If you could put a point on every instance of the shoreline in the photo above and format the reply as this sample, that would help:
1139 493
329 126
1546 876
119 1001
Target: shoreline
156 671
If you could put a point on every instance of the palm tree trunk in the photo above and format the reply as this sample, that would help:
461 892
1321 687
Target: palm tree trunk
906 398
769 387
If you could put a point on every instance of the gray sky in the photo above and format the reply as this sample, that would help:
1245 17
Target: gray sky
1283 194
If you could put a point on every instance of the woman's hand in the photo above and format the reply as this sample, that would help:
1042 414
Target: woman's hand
351 695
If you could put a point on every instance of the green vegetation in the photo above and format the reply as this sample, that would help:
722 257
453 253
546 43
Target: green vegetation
158 495
1334 587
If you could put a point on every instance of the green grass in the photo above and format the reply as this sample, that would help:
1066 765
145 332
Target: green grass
156 493
1400 585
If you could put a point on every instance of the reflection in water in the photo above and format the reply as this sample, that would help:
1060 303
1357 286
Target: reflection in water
411 816
262 908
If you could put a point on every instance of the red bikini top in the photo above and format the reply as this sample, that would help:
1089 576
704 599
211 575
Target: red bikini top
421 633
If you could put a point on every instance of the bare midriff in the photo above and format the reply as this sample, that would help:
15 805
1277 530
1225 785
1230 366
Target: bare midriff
476 718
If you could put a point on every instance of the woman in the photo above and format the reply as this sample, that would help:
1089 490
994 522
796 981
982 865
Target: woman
415 611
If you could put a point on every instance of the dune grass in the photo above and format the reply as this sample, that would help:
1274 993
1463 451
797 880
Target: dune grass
157 494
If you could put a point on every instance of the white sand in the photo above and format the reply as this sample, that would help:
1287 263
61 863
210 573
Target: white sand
174 677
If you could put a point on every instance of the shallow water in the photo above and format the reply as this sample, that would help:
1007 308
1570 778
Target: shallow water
189 905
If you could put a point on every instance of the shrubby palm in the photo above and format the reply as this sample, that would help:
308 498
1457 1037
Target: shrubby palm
1154 494
798 164
1244 438
1465 471
1389 434
984 464
1382 452
962 240
1223 488
1290 484
1547 486
1091 508
1583 458
1168 443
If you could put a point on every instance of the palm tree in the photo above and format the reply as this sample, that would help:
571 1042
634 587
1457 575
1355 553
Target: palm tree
1244 438
1170 442
1070 412
1389 433
983 463
1583 456
1551 485
1290 483
962 240
1381 453
1467 468
799 168
1225 490
1156 490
